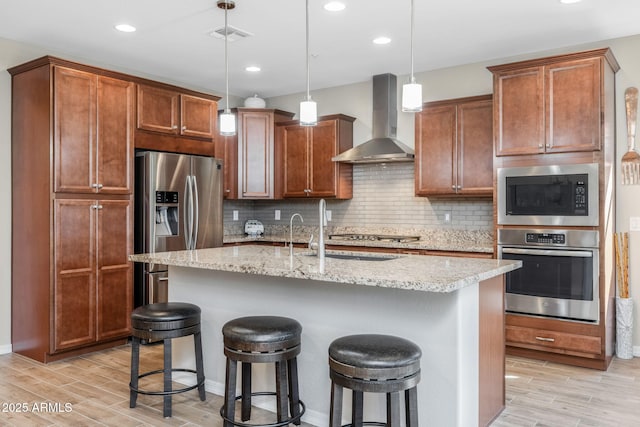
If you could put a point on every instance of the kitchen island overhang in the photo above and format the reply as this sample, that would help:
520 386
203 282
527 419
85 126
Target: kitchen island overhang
451 307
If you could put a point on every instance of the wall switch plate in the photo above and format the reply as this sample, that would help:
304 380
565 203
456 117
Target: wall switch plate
235 215
447 217
277 214
634 223
328 215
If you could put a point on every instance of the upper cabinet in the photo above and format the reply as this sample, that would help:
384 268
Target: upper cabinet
174 119
92 133
248 156
304 153
552 105
454 147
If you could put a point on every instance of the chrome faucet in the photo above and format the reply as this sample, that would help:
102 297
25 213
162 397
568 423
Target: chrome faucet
322 213
291 231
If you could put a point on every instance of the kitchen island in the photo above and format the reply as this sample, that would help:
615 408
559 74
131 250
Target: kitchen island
451 307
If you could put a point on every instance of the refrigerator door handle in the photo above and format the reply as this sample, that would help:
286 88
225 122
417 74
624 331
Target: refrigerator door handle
196 211
187 213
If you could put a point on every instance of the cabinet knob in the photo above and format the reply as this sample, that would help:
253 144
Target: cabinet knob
453 187
227 191
545 339
174 127
184 128
540 145
96 207
97 186
459 187
548 145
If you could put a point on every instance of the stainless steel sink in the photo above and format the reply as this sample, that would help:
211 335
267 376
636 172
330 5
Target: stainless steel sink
358 256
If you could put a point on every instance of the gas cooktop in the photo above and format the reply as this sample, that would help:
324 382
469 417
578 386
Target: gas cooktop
375 237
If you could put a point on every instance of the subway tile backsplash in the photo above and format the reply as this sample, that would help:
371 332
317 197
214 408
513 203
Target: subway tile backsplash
383 197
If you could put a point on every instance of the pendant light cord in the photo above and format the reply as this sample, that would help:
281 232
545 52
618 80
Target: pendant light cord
226 57
413 80
307 44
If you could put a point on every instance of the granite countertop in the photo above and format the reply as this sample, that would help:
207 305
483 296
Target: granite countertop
436 240
411 272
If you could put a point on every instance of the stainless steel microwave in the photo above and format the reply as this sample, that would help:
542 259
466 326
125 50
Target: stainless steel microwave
557 195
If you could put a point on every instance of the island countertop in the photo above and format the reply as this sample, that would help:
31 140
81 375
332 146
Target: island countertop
410 272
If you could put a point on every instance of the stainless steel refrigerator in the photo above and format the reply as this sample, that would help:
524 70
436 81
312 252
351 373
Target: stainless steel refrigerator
178 206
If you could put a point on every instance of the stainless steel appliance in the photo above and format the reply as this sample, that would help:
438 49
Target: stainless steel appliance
559 275
558 195
178 205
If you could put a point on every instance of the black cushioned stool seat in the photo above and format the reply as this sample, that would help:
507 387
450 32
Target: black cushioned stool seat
262 339
164 321
374 364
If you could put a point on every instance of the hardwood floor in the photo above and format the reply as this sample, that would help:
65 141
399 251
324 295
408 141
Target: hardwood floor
93 390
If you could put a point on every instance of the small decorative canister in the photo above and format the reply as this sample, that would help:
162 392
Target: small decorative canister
254 102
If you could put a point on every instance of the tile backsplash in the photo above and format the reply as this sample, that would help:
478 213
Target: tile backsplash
383 197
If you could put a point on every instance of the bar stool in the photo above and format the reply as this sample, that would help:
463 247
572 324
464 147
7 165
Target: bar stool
262 339
374 364
164 321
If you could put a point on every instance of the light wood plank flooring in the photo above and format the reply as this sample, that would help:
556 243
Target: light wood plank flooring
95 386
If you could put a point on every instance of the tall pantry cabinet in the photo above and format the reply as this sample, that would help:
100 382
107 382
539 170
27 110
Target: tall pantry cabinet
72 211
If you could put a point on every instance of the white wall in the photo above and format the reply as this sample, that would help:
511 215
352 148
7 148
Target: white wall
355 100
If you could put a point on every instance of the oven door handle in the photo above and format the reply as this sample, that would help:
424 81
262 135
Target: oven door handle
543 252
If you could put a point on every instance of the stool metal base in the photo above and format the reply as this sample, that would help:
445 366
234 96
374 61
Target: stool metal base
293 420
165 393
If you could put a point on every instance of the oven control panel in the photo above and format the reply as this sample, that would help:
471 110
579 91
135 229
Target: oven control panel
546 238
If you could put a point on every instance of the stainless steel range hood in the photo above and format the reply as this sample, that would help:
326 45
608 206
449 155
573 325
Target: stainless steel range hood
383 147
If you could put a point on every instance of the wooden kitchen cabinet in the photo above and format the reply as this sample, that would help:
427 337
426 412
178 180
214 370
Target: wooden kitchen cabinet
93 280
175 119
72 224
253 164
304 153
552 105
168 111
93 134
227 150
454 147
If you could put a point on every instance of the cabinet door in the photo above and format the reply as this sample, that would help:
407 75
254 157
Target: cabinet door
157 109
519 112
435 163
74 123
197 116
322 147
227 150
114 136
74 298
255 151
114 271
475 148
573 108
296 161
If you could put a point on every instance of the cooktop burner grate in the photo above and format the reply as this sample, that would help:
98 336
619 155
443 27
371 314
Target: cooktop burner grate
375 237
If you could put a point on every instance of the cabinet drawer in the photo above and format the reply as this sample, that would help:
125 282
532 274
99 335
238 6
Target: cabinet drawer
559 342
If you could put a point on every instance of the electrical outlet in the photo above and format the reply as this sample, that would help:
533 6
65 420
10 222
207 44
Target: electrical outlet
235 215
277 214
634 223
328 215
447 217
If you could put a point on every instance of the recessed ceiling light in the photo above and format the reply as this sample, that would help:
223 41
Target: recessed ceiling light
570 1
125 28
334 6
382 40
252 69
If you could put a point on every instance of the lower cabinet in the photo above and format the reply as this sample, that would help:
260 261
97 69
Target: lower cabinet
92 288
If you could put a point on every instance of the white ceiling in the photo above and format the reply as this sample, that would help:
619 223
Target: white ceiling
172 41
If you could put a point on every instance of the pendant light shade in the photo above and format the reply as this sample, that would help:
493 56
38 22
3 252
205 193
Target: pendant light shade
308 107
227 118
412 91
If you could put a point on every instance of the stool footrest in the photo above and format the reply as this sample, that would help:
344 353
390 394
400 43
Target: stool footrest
286 422
165 393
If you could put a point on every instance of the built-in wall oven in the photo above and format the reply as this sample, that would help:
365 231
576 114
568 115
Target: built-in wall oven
551 195
559 277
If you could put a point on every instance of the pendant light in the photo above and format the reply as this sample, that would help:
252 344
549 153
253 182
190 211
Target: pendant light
308 107
227 118
412 91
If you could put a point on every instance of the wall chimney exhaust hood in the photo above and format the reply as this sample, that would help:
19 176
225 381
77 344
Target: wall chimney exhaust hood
383 147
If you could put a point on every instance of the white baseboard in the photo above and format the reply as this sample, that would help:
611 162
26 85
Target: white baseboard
6 349
636 351
314 418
